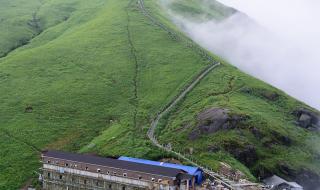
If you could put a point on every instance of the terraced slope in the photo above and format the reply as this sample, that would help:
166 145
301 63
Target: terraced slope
96 73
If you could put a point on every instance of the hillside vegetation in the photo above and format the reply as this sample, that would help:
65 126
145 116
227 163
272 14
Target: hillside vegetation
89 76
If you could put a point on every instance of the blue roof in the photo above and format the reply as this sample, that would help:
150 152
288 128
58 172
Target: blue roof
191 170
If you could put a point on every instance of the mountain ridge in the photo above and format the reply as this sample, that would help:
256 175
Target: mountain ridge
95 89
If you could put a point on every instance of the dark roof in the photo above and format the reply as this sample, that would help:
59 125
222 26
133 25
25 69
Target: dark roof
115 163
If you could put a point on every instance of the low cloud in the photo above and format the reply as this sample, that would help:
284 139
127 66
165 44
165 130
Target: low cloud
281 49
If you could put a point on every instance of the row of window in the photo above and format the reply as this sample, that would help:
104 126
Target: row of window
85 181
99 171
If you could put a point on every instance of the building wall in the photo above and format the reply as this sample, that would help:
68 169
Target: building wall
62 178
109 171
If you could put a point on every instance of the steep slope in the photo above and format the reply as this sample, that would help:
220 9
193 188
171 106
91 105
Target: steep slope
232 116
94 78
104 69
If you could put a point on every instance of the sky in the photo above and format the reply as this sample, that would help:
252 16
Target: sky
279 44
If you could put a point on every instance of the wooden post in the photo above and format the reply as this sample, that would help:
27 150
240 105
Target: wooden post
193 183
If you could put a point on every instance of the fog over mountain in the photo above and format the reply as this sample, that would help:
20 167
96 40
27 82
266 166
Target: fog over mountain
279 44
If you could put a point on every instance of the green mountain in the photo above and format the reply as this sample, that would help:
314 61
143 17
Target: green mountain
90 76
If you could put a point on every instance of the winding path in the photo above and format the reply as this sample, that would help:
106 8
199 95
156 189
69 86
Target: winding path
232 185
227 183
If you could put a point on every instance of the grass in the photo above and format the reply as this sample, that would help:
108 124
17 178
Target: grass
94 74
265 115
79 75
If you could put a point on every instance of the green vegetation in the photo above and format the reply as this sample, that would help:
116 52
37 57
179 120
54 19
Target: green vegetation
226 87
89 76
199 9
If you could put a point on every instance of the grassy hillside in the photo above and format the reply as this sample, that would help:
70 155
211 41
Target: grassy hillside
91 76
99 76
261 133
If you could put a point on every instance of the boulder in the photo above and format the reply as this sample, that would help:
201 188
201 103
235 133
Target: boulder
213 120
307 119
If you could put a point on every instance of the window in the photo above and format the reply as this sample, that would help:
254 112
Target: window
152 179
140 177
98 170
48 161
66 164
85 181
108 172
114 173
124 174
49 174
60 177
123 188
159 180
110 186
87 168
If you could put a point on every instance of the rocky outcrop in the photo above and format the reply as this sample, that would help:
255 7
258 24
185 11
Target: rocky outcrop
246 155
215 119
308 179
307 119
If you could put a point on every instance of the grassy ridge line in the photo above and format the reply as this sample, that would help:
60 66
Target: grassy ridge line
179 37
189 43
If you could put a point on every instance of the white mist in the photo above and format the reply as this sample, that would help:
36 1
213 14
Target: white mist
282 46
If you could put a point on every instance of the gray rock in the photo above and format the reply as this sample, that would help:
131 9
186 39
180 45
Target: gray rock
213 120
307 119
246 155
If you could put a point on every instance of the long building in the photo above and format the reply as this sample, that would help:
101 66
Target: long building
68 171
